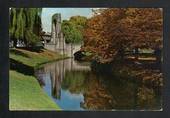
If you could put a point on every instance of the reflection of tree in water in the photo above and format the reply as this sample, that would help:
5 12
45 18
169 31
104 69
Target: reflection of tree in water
74 81
108 92
101 93
64 70
96 95
147 98
112 93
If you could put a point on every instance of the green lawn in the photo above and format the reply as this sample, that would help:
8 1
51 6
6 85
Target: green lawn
25 92
33 59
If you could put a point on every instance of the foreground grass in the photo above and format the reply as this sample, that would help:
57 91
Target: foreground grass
25 91
26 94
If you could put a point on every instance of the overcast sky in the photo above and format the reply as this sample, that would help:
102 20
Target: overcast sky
66 13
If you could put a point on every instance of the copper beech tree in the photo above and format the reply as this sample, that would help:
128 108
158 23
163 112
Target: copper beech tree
110 32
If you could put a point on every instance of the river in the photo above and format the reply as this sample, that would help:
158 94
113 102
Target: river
73 86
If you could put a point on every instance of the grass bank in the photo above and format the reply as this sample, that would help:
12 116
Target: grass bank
26 94
25 91
34 58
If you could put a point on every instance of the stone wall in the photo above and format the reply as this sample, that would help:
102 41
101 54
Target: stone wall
68 49
57 41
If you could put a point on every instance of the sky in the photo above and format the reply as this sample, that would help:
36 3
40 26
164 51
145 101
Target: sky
66 13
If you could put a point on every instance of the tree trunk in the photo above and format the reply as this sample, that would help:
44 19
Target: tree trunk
121 52
26 44
158 57
15 43
136 53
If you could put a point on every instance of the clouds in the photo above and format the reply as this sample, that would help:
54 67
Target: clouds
66 13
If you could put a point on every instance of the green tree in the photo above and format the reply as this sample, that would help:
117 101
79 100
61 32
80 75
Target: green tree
25 25
79 21
73 29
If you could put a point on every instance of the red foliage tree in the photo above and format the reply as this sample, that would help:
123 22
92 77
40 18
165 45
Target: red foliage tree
111 31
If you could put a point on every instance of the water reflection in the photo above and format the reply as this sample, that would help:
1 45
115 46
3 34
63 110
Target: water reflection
74 87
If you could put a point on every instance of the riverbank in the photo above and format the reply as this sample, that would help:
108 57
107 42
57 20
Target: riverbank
25 91
145 71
